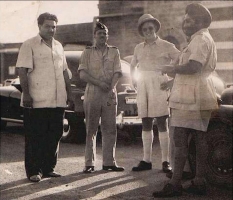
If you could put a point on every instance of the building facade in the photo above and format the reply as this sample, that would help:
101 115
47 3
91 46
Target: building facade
121 18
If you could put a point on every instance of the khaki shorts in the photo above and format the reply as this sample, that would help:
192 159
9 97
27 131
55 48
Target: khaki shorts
151 100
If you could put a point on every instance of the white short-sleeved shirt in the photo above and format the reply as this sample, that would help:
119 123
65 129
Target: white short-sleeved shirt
196 91
150 57
151 100
193 96
45 75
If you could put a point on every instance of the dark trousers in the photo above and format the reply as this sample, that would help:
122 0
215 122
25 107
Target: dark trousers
43 131
181 136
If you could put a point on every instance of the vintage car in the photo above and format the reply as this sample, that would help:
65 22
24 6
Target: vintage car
219 135
74 126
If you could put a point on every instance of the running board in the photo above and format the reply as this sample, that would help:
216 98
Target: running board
12 120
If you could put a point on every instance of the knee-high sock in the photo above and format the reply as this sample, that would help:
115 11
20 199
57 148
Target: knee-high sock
147 140
164 145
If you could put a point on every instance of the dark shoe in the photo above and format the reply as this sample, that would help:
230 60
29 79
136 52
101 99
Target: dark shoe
142 166
88 169
196 189
169 190
114 168
52 174
185 175
35 178
166 167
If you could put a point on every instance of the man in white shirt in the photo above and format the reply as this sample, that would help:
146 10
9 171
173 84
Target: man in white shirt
46 90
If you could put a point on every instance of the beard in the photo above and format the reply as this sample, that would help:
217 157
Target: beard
189 31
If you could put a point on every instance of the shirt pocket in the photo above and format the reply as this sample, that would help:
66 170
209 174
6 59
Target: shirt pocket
44 59
184 90
109 66
184 94
95 62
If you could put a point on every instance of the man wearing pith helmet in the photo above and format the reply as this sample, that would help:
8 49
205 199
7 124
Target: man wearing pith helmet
152 96
192 99
100 67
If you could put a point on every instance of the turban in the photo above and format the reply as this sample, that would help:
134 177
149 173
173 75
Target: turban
199 13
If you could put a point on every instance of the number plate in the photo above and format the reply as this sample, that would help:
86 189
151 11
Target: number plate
130 100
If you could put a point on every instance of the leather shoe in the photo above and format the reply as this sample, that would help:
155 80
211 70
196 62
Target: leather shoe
169 190
35 178
52 174
114 168
166 167
88 169
185 175
142 166
196 189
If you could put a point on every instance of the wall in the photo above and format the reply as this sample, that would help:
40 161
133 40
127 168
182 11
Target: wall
121 17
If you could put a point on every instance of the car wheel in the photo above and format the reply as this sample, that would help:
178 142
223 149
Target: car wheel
219 159
3 125
74 130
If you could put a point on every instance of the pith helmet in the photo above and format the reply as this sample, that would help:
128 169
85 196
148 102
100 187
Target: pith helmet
145 18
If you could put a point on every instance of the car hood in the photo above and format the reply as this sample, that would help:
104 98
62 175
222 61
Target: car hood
10 91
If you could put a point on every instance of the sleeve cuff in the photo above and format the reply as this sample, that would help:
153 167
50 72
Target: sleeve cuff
198 58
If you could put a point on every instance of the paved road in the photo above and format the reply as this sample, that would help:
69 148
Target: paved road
74 185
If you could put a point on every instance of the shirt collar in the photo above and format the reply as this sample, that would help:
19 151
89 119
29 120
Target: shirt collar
157 40
199 32
97 47
40 39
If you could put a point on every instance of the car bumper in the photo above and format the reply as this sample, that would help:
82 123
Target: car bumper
122 121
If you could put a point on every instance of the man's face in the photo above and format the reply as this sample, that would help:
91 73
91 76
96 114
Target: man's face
48 29
189 26
101 36
149 30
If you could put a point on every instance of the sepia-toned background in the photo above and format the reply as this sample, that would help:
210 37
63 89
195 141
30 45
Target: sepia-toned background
18 22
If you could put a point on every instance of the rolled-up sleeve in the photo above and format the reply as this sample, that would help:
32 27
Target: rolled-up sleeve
83 61
25 57
117 63
199 50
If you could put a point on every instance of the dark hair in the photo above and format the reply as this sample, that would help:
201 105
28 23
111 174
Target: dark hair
46 16
199 13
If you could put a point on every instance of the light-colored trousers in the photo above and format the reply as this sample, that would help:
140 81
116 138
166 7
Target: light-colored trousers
97 105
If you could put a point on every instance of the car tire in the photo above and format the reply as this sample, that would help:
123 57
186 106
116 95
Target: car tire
3 125
219 158
74 130
219 155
